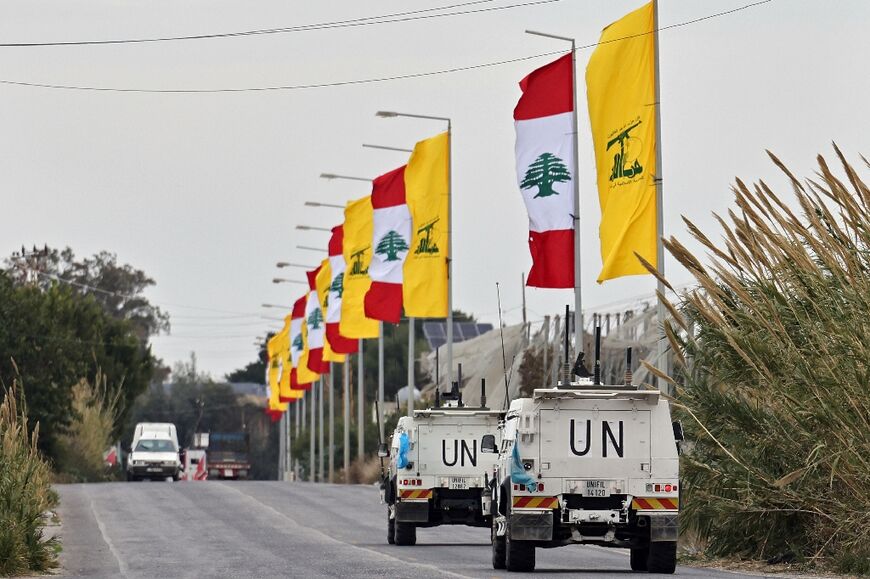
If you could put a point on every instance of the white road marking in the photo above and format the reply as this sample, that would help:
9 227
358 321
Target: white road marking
122 567
334 540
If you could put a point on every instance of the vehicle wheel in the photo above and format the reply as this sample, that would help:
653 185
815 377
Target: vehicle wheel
662 557
498 548
406 533
391 527
131 478
176 477
638 558
519 555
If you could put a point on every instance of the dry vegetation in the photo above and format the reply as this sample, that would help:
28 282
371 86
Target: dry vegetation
25 493
773 353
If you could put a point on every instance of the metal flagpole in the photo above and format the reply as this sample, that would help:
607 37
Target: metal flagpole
288 462
450 254
578 297
346 397
381 379
312 472
330 460
320 448
282 440
663 358
360 405
411 387
297 406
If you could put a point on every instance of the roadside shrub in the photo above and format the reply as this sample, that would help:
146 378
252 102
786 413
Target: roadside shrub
94 411
773 347
25 493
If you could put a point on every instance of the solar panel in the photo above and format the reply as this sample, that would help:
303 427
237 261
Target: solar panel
436 332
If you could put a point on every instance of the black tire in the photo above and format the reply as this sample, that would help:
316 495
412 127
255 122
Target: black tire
131 478
391 528
519 555
638 558
406 534
662 557
498 549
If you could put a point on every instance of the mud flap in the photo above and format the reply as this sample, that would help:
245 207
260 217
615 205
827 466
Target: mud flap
663 528
531 526
412 512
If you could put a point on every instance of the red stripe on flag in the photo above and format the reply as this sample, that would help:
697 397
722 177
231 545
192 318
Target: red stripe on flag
552 258
388 190
298 308
339 343
336 242
383 301
312 278
316 362
547 91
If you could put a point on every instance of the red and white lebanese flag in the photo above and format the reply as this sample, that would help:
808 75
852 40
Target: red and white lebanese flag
297 345
391 241
545 125
337 342
315 325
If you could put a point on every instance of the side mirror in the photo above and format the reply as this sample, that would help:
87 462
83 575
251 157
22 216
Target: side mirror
383 451
487 444
678 430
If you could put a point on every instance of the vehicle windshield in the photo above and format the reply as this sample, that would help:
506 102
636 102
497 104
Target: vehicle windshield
155 446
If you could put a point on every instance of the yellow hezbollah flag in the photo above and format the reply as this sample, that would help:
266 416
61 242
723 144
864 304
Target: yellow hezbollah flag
427 193
272 347
322 282
303 374
357 250
620 87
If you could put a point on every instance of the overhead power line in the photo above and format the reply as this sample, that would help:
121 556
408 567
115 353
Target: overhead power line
407 16
368 80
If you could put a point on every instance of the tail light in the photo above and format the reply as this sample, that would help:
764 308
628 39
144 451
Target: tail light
540 487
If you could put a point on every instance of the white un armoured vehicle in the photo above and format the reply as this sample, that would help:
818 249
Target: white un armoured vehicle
587 463
439 463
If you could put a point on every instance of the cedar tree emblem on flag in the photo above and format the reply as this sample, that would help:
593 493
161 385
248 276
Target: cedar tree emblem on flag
543 172
297 343
390 245
315 319
338 285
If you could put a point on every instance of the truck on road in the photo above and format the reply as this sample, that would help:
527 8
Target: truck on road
587 463
229 455
439 462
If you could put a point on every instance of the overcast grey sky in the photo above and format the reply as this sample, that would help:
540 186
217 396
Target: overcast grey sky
203 191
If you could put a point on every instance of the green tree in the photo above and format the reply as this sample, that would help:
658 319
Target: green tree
315 318
118 288
390 245
543 172
51 338
338 285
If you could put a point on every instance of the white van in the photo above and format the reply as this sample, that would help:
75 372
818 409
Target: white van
154 453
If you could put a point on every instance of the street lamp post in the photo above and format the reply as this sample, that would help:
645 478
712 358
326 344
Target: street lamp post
285 280
392 114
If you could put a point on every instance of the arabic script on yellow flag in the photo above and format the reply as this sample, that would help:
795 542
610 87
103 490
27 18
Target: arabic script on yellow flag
427 193
620 87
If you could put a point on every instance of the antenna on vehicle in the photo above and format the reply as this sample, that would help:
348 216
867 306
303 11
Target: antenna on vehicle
437 398
567 359
503 354
628 374
457 391
597 355
483 392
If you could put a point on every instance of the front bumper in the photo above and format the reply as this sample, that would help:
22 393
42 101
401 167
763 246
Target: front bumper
153 471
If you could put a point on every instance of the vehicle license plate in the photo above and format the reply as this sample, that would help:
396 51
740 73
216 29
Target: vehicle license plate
228 472
153 469
458 483
595 488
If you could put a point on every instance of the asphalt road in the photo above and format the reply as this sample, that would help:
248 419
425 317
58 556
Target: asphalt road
271 529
